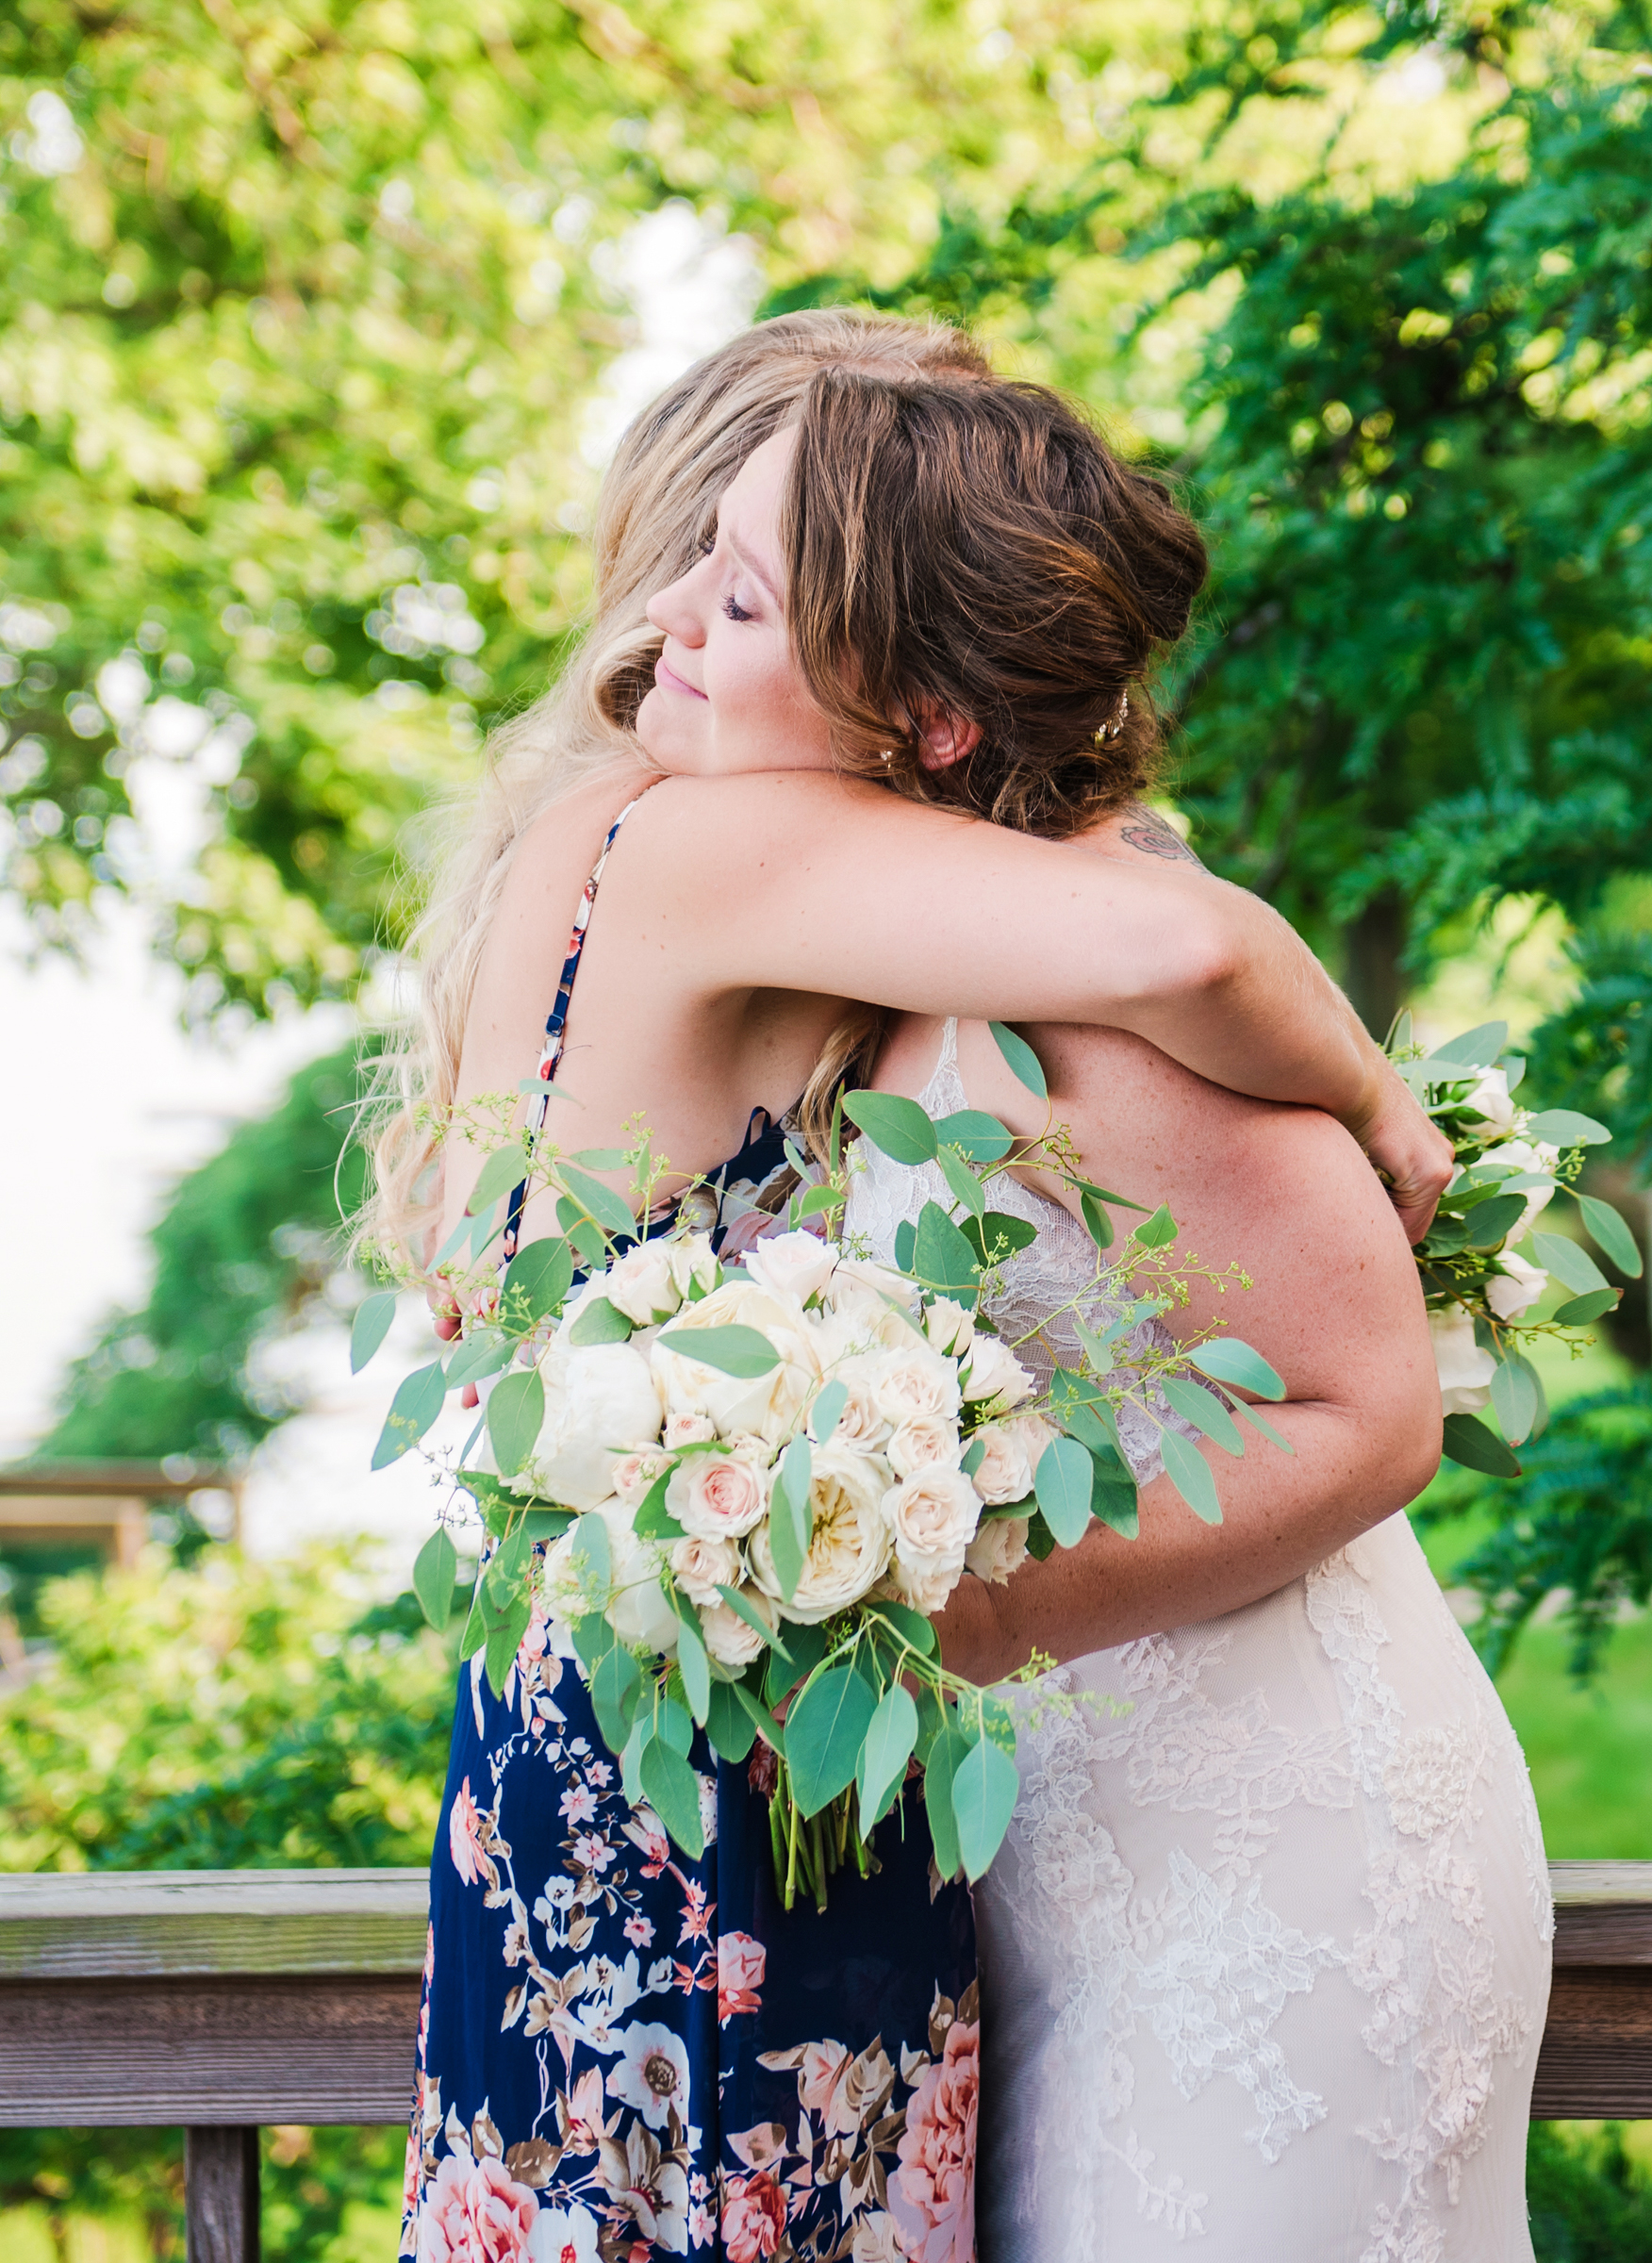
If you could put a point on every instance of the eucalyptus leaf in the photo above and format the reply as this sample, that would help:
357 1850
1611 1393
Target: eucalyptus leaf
945 1754
905 1243
1612 1235
763 1721
505 1635
653 1520
1158 1231
790 1521
1477 1446
824 1731
1098 1222
616 1684
483 1354
593 1555
1023 1062
1578 1311
805 1646
671 1788
1062 1484
890 1736
515 1416
435 1569
1570 1264
693 1663
899 1126
504 1170
985 1786
600 1203
910 1625
983 1138
743 1352
1566 1128
964 1185
1478 1047
601 1159
1514 1401
1205 1412
1490 1221
827 1411
418 1402
943 1259
997 1236
1190 1473
1230 1362
599 1322
370 1325
730 1727
587 1238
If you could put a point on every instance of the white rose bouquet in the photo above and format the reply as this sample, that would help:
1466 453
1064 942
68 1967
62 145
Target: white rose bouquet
746 1490
1484 1262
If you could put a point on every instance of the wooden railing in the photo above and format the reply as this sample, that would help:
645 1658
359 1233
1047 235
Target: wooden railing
221 2000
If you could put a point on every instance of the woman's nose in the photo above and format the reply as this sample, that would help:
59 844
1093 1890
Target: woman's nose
674 613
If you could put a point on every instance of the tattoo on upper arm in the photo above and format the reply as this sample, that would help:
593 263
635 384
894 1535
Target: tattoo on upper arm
1150 834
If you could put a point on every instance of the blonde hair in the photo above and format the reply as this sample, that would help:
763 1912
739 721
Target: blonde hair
659 500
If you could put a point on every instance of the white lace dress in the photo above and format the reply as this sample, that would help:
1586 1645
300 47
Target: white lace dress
1264 1959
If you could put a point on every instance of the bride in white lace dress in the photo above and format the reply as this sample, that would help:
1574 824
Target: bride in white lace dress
1265 1957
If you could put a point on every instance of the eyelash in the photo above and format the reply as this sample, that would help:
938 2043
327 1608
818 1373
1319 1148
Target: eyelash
737 612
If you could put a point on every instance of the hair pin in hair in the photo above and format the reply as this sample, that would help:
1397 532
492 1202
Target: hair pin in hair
1115 723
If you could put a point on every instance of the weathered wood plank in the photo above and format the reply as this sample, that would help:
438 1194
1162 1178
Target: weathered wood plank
121 1924
221 2195
206 2048
1596 2055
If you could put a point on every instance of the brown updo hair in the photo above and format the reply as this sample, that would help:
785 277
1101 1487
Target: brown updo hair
977 550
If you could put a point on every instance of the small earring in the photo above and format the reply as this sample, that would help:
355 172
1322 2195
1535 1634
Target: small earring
886 755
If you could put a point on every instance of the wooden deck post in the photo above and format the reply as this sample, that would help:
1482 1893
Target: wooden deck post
221 2194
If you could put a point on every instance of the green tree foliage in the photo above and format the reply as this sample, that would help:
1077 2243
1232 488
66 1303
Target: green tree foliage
232 1715
262 1715
247 1243
1590 2202
301 306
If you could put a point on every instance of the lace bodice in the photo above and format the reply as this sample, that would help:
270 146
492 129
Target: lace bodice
1028 1309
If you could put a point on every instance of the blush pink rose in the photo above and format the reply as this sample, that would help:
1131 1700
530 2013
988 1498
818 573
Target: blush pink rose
753 2219
740 1965
475 2212
932 2195
465 1839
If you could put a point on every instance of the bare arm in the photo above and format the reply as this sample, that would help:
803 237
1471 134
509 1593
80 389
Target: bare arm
1337 1308
835 886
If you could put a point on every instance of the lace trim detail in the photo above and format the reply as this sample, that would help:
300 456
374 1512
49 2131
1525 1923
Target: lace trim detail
1427 1960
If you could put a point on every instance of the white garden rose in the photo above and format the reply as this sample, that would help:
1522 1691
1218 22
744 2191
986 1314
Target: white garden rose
637 1611
1033 1434
1528 1155
688 1429
859 1276
693 1264
1517 1287
729 1639
949 1328
1490 1099
862 1422
599 1405
1466 1370
926 1441
635 1472
851 1543
716 1497
1005 1472
933 1515
995 1372
927 1590
861 1324
998 1549
640 1285
768 1405
916 1382
792 1265
701 1566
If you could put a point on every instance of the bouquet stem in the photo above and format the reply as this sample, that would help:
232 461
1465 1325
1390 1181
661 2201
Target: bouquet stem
807 1850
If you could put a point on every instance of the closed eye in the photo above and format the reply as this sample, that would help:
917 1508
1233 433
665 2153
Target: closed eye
736 611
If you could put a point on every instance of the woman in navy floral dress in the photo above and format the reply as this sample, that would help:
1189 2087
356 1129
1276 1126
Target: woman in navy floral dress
622 2052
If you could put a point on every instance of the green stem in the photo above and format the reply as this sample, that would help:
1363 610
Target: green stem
792 1820
819 1854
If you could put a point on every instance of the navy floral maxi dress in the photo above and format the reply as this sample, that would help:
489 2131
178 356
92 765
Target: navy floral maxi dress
625 2055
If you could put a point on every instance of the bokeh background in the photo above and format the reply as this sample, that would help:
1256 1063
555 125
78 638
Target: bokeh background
318 323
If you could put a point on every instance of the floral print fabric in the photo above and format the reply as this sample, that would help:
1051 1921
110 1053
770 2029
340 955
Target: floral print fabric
623 2053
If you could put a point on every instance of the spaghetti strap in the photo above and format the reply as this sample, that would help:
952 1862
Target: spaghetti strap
557 1022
